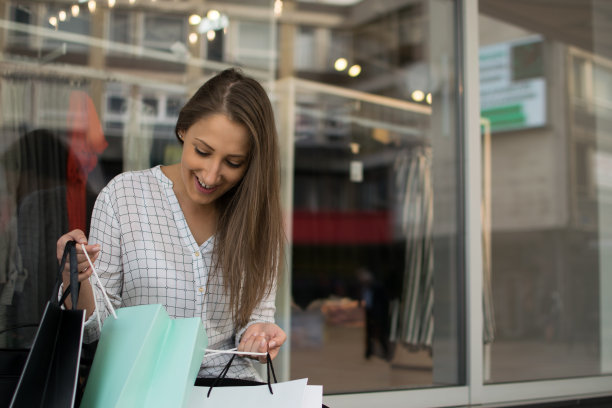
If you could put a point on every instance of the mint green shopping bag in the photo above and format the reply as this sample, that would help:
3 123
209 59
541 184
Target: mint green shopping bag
145 359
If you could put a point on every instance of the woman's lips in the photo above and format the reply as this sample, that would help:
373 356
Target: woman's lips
203 189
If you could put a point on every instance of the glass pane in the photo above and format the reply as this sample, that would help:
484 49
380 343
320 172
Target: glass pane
375 226
547 97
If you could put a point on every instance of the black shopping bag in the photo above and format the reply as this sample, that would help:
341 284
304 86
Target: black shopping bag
50 375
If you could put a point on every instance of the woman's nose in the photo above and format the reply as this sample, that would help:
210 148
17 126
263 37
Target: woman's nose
213 173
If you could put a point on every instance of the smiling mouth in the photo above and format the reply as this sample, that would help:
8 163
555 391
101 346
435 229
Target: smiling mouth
205 188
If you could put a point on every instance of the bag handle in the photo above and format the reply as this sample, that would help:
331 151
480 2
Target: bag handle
69 250
221 376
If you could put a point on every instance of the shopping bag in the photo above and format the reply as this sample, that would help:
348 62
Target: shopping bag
145 359
49 377
295 393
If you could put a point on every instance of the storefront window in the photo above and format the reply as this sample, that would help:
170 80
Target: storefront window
547 98
375 221
367 101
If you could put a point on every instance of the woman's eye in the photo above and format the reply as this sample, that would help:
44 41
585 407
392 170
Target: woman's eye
201 153
233 164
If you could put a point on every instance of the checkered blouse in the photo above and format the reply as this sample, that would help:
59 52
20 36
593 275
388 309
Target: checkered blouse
148 255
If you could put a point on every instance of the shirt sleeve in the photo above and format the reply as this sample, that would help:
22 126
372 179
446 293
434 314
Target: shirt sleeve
105 230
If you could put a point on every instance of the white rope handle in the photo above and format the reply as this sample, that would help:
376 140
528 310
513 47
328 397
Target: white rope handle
108 303
211 352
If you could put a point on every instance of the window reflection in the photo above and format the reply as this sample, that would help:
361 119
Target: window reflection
549 194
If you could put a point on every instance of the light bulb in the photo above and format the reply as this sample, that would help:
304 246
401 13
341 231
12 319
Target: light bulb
193 38
340 64
418 95
75 9
278 8
194 19
211 35
62 15
92 6
355 70
213 15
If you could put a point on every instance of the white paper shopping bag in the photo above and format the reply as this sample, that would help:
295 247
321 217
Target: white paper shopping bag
294 393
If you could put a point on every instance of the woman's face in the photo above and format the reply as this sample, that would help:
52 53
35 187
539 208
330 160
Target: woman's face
214 159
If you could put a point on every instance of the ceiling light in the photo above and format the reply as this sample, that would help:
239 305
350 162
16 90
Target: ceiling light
278 8
92 6
211 35
418 95
213 15
62 15
355 70
193 38
219 22
75 9
53 21
340 64
194 19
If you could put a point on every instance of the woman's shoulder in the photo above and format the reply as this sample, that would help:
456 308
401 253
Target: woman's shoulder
147 179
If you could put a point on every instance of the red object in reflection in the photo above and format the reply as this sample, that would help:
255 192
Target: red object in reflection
86 140
341 227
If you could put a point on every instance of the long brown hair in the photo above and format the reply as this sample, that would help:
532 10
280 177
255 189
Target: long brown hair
249 237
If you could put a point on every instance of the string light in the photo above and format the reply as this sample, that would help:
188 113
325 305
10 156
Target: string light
75 9
193 38
53 21
278 8
111 3
340 64
194 19
355 70
92 6
418 95
428 98
213 14
62 15
211 35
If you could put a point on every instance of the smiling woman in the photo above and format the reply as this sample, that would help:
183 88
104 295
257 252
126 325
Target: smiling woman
187 235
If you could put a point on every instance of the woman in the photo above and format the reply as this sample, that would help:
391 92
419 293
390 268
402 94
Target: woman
204 236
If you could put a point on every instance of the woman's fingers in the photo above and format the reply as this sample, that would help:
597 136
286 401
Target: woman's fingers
74 235
83 266
254 342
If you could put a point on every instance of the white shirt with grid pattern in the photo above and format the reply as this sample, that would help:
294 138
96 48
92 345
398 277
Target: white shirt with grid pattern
149 256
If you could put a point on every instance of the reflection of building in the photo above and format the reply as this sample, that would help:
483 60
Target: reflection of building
544 209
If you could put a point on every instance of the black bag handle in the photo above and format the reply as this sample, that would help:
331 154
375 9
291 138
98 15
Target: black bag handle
69 250
225 370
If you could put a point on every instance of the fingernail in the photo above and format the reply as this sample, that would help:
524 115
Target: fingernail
272 344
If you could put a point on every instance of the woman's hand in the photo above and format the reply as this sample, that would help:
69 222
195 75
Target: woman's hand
262 338
83 266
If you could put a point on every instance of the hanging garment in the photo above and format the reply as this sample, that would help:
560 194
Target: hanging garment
413 323
86 140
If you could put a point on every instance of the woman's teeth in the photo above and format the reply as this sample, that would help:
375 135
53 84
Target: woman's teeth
204 185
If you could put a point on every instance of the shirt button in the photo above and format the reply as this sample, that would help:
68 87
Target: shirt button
197 253
201 289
